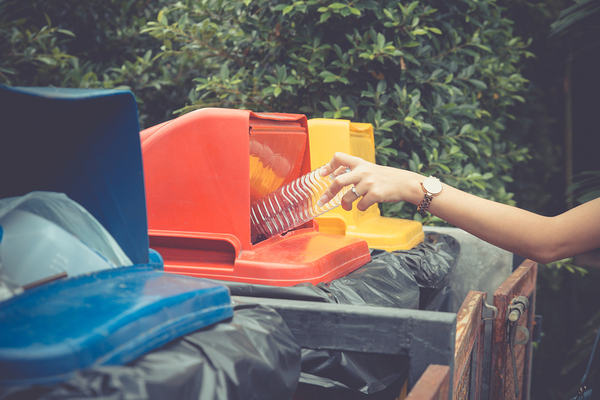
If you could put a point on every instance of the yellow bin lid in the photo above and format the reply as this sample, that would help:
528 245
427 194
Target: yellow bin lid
327 136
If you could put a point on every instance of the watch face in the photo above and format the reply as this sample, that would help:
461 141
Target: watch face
432 185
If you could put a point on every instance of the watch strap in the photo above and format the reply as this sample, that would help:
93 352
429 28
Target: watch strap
424 205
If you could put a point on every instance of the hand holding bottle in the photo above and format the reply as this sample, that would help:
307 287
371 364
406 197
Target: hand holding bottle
372 183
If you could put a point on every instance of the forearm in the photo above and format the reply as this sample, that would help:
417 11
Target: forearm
510 228
540 238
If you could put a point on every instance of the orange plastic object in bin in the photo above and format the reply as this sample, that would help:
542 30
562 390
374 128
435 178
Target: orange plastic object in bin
328 136
202 171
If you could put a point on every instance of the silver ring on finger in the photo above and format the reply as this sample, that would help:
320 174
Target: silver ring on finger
353 189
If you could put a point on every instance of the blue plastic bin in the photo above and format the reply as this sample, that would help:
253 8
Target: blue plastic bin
86 144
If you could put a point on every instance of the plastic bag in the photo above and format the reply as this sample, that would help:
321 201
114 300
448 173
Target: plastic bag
400 279
431 264
415 278
352 372
72 217
253 356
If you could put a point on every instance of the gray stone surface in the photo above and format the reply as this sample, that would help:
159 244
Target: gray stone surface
480 266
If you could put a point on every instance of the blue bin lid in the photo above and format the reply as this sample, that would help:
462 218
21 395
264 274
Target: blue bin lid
81 142
107 318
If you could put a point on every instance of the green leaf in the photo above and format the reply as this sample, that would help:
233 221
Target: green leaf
224 73
486 48
478 84
472 146
325 16
162 18
411 44
591 195
445 168
182 21
411 7
47 60
436 73
380 40
66 32
412 166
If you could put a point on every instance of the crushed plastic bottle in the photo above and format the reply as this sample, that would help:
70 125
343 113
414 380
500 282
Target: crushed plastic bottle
294 204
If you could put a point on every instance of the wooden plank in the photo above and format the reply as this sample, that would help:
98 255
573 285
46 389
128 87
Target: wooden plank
433 385
522 282
469 347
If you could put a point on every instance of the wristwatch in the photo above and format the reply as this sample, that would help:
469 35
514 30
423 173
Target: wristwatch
431 187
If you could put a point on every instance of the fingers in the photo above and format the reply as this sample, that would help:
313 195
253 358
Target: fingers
360 178
340 160
338 184
350 197
338 166
372 183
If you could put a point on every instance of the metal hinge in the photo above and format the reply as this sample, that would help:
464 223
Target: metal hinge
494 310
517 308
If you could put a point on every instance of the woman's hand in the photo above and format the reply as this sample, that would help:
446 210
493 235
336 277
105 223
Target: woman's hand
373 183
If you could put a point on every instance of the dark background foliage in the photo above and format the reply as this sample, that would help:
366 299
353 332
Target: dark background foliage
480 111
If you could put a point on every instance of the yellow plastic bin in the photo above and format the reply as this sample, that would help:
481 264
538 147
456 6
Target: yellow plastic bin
327 136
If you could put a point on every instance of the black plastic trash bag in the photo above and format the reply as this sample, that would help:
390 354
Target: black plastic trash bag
383 282
400 279
414 279
352 373
253 356
431 263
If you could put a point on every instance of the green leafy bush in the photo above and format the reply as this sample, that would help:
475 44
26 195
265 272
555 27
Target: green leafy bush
438 80
96 45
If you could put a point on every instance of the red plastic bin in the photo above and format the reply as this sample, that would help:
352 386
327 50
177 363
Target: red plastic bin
202 171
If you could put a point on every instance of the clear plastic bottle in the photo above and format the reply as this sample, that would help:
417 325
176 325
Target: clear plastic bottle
294 204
